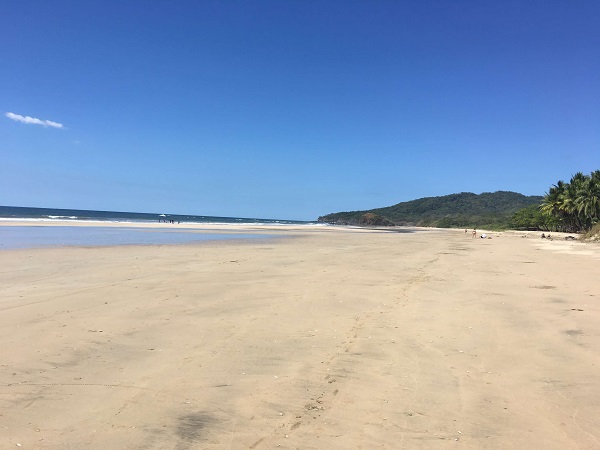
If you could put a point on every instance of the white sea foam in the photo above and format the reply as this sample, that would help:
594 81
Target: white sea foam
99 222
58 219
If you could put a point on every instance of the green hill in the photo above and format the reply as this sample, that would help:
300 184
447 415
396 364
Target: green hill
489 209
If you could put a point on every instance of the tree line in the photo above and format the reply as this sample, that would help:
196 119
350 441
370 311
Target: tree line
571 207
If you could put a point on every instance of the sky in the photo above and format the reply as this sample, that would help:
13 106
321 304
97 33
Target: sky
292 109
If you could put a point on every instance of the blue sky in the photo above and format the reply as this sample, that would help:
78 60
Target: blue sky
292 109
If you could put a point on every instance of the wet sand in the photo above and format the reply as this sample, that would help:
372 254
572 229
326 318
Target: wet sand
329 338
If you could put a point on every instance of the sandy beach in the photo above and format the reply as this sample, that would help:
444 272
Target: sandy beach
325 338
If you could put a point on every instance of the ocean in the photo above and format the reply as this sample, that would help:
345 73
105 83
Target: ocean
19 237
45 214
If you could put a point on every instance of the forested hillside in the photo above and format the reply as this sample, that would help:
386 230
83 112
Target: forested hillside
491 209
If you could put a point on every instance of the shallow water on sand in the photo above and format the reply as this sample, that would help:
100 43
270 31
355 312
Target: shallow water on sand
15 237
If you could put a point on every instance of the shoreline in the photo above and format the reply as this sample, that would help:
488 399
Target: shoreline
66 233
249 225
132 224
557 243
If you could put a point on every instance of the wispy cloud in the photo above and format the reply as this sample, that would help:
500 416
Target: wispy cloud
28 119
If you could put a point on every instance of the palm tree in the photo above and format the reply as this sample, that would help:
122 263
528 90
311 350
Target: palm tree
574 205
552 204
569 204
588 199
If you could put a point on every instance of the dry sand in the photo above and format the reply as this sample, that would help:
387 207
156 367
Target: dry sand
330 339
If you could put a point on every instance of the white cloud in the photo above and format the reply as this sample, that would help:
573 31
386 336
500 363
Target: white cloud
28 119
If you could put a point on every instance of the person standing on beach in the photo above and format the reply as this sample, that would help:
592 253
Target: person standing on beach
474 232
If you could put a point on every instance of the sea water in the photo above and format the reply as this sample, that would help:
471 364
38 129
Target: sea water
15 237
31 236
8 213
